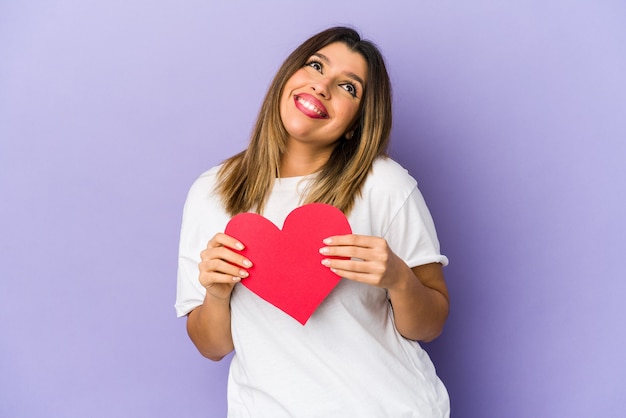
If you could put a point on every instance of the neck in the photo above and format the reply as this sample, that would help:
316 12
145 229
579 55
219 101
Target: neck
294 164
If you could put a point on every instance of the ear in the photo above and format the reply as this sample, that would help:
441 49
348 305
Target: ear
355 126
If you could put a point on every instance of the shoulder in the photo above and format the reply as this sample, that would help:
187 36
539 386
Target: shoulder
205 183
387 174
202 196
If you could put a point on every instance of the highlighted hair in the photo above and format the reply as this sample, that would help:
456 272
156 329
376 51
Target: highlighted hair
245 180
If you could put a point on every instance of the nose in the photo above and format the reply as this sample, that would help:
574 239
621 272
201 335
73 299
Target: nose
321 87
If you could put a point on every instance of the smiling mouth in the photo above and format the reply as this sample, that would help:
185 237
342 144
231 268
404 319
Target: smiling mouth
311 107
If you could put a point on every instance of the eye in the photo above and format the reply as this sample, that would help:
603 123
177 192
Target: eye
350 88
316 65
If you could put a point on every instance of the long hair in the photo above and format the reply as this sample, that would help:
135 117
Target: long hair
245 180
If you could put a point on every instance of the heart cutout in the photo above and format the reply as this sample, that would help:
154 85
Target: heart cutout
287 270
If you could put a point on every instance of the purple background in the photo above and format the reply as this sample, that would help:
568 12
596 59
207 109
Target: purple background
511 116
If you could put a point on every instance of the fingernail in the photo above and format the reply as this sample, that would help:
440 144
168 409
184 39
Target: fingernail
326 262
247 263
243 273
236 279
324 250
328 241
239 246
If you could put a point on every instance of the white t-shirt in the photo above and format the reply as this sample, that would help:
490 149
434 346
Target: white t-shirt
348 360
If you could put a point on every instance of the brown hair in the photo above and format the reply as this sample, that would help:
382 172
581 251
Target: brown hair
246 179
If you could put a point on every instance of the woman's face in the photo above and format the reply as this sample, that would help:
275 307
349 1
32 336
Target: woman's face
320 102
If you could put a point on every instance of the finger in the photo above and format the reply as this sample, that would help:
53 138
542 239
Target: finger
351 252
354 266
367 248
220 266
226 254
221 239
218 279
220 287
354 276
349 239
364 241
211 278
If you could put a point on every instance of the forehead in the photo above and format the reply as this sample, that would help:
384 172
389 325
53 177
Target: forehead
341 58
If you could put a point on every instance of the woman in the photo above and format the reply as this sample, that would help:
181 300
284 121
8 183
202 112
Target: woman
321 136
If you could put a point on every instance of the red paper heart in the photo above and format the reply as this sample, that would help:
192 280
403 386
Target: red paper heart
287 270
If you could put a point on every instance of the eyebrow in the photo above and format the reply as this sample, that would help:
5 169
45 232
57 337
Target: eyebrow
348 73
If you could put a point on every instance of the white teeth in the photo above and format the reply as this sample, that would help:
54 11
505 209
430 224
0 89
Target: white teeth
311 106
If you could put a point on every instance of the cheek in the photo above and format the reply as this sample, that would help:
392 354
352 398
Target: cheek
350 112
292 84
298 78
283 103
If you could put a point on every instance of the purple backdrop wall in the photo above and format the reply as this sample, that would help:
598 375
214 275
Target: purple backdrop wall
511 116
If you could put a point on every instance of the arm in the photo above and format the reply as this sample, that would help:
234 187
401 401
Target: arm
420 302
221 268
419 296
208 327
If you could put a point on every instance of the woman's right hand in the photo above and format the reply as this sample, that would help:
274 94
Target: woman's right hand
221 267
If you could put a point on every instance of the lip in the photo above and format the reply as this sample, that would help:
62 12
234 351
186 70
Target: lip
310 106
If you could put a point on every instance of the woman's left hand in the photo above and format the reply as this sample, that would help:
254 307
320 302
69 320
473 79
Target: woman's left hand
369 260
419 295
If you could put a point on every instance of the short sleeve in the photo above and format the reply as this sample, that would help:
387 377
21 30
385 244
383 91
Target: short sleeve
203 217
411 233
